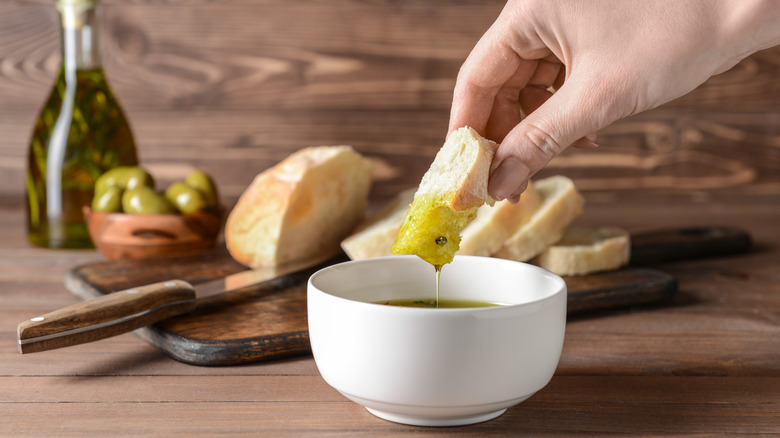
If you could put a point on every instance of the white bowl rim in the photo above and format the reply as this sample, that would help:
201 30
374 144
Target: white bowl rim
561 287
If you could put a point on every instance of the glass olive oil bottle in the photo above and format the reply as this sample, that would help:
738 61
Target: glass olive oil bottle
80 133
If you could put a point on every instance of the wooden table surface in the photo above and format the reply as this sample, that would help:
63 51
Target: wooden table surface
234 86
708 363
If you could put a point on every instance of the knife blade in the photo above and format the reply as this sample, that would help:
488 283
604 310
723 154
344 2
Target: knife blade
124 311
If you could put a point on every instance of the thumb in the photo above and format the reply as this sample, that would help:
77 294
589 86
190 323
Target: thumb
568 117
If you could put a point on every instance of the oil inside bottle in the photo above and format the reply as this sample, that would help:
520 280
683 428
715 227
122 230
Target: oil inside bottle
81 132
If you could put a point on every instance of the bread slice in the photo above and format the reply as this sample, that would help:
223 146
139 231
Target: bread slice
585 250
301 208
484 236
374 237
448 197
495 224
561 204
459 172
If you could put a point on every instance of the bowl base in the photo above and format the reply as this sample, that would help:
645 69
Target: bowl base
435 422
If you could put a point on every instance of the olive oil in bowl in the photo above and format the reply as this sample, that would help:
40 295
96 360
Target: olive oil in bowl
439 304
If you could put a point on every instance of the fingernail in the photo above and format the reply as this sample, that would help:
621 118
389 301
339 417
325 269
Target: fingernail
508 179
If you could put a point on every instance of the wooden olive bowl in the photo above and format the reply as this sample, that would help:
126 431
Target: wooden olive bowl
138 236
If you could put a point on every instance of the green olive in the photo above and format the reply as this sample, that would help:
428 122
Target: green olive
144 200
110 201
185 198
200 180
125 177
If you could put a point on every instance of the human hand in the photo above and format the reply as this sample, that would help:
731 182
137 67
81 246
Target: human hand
551 73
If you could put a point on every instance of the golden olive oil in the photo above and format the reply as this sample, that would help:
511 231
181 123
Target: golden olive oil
431 229
438 280
438 304
81 132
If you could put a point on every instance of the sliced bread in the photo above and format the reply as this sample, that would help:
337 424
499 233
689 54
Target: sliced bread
585 250
374 237
448 197
495 224
561 204
484 236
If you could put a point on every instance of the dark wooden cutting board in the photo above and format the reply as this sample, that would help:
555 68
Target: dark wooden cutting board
268 321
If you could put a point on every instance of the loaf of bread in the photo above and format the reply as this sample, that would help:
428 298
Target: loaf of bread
561 204
300 209
375 236
495 224
448 197
585 250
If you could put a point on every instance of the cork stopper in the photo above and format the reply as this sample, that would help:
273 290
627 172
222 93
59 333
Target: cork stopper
74 12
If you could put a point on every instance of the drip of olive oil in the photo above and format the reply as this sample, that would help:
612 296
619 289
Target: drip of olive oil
438 280
438 302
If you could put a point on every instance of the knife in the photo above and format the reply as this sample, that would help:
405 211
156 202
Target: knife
130 309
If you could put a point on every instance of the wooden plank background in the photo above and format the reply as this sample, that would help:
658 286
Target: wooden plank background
234 86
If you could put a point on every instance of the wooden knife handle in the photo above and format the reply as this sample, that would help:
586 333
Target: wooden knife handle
669 245
106 316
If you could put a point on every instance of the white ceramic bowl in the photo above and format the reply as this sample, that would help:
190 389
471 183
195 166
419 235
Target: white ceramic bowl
436 367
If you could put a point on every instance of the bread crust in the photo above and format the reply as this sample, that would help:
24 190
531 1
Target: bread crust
451 191
461 169
495 224
301 208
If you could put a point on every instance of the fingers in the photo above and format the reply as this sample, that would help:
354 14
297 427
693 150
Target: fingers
509 179
547 73
587 142
531 98
487 91
505 113
554 122
489 67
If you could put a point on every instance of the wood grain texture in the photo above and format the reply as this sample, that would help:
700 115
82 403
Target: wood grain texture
706 364
234 86
652 405
106 316
268 321
262 322
237 94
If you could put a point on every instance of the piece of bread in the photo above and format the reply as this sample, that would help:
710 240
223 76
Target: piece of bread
375 236
497 223
561 204
482 237
301 208
459 172
448 197
585 250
